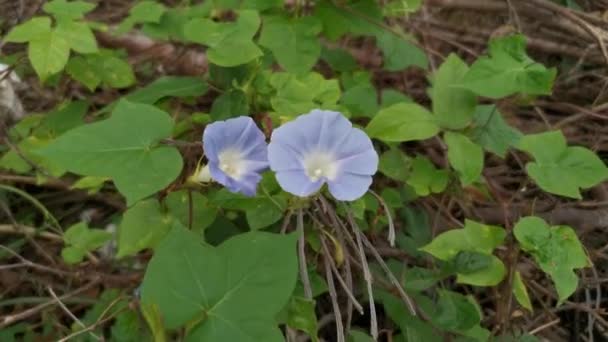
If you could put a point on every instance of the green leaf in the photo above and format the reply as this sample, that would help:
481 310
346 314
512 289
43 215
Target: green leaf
492 132
265 212
390 97
64 10
465 156
361 100
395 164
474 237
425 178
49 53
300 94
301 315
78 35
230 104
142 12
399 53
560 169
339 59
359 336
453 106
455 312
294 43
29 30
203 213
490 275
215 290
79 69
230 44
169 86
508 70
403 122
521 292
123 149
556 250
79 240
62 119
143 226
91 70
358 19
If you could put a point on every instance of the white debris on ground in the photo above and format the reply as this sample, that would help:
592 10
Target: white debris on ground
11 108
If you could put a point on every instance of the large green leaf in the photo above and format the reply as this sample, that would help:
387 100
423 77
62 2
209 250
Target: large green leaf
230 44
124 147
560 169
395 164
403 122
143 226
508 70
455 312
169 86
228 293
294 42
358 19
556 250
492 132
453 105
465 156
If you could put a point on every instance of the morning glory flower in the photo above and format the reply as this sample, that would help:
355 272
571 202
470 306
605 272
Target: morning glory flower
237 154
322 147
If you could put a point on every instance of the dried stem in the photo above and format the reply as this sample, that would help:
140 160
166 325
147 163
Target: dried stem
334 300
302 256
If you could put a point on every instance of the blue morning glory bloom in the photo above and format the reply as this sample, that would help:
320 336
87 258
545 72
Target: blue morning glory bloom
237 154
322 147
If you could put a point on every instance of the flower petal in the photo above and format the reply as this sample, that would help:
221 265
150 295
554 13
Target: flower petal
358 155
283 158
296 182
349 187
242 148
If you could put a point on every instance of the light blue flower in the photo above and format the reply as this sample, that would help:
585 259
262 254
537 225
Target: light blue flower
323 147
237 154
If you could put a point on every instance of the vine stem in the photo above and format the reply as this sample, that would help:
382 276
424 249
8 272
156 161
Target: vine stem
334 300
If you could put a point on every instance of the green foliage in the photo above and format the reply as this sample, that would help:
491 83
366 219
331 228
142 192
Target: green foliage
110 149
219 269
395 164
508 70
103 68
217 289
229 44
556 250
298 94
49 47
453 106
425 178
492 132
80 240
142 12
465 156
294 42
476 238
143 226
560 169
403 122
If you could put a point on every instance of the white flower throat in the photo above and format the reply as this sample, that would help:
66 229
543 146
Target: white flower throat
319 165
231 162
